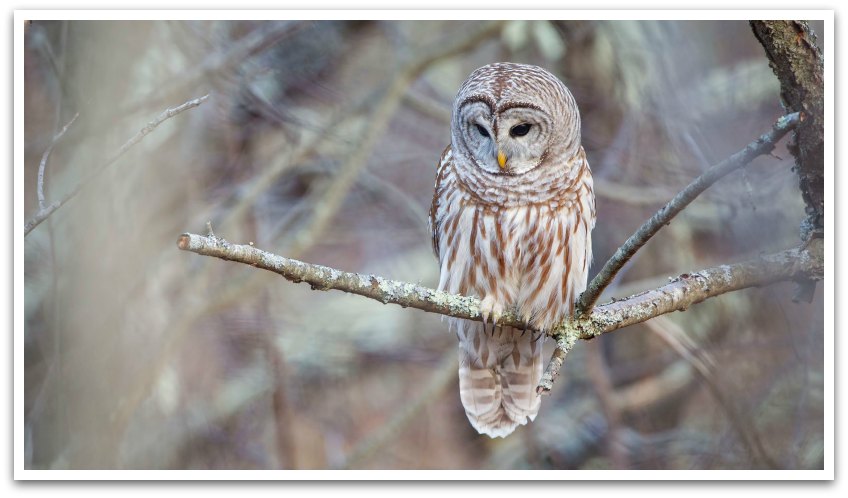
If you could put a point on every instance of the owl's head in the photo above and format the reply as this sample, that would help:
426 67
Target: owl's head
510 118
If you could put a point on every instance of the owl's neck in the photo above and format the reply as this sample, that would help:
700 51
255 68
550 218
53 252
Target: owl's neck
552 183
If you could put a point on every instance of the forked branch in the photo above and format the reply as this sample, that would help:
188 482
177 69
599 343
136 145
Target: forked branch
805 262
758 147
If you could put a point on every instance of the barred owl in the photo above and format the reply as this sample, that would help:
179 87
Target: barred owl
511 220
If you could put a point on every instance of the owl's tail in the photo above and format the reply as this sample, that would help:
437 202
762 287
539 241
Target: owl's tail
498 375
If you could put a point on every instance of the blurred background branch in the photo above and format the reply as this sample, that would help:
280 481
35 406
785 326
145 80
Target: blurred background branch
42 166
45 211
331 199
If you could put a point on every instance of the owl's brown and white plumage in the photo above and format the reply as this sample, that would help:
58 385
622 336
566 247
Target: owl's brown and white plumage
511 219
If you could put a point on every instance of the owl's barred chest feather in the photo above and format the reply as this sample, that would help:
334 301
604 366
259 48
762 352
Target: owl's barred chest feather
531 252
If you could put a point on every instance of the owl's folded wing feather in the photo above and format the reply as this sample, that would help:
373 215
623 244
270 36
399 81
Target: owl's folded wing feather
444 160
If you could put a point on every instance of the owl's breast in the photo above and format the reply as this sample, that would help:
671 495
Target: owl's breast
530 255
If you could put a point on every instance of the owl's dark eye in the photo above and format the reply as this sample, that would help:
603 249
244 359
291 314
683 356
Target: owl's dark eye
520 130
482 131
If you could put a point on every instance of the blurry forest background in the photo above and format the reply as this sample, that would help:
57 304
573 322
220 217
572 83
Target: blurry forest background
319 141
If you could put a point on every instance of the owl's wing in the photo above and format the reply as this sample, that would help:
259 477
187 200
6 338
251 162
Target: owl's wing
441 174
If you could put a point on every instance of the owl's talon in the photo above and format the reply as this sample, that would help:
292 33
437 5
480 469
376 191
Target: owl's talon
496 316
490 308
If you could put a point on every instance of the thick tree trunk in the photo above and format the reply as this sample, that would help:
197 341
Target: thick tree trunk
797 61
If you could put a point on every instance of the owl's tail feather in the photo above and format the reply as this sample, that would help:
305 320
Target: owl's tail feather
497 380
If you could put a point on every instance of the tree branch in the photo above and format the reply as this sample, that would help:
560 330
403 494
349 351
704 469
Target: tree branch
758 147
324 278
805 262
44 212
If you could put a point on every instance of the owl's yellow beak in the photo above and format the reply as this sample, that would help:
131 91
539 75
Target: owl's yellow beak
501 159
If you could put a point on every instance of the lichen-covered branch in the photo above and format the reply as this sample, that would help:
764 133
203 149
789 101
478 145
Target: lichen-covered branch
797 62
324 278
564 344
682 292
45 211
692 288
806 262
758 147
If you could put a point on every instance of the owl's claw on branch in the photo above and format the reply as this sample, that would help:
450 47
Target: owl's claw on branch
490 307
541 334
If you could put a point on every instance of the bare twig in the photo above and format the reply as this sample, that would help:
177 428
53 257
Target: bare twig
564 343
680 293
762 145
42 166
44 212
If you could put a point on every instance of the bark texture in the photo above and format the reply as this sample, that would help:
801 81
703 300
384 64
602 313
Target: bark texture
798 64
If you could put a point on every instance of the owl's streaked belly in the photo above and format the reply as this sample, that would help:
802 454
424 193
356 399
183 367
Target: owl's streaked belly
530 257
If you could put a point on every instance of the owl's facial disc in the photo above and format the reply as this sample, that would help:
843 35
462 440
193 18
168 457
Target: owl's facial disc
510 142
522 139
